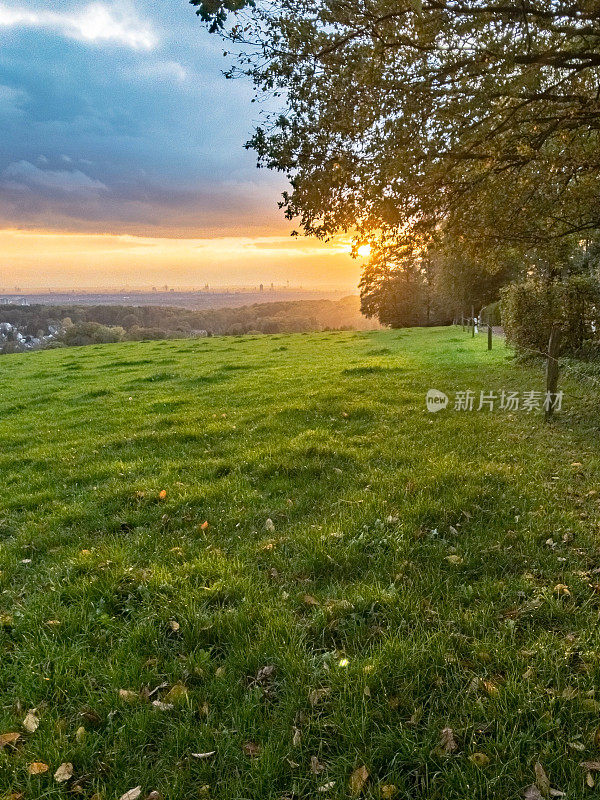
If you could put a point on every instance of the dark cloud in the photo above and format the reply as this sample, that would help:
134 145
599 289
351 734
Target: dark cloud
127 128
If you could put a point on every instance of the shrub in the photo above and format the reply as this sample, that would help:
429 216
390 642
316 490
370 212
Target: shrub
530 308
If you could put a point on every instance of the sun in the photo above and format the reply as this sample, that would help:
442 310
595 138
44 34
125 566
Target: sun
364 251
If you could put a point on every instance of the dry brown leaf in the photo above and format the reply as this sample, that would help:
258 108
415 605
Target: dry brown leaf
296 737
31 722
154 796
454 559
542 781
132 794
174 625
128 696
326 787
9 739
204 526
37 768
317 695
310 600
480 759
315 765
251 749
80 734
64 772
162 706
162 494
592 766
533 793
388 791
491 688
357 780
448 742
203 756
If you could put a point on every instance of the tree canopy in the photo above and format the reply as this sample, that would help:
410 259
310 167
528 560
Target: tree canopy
402 115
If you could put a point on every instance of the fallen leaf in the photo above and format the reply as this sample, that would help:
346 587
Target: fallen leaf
163 706
541 779
80 734
317 695
269 525
326 786
162 494
357 780
310 600
454 559
202 756
533 793
174 625
251 749
592 766
154 796
9 739
31 722
177 694
388 791
64 772
589 779
491 688
128 696
37 768
132 794
204 526
562 589
315 765
448 742
480 759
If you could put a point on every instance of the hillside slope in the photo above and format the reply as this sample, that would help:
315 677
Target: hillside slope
266 550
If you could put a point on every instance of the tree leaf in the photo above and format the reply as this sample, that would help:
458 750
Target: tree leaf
31 722
357 780
480 759
9 739
203 756
37 768
64 772
132 794
542 781
448 742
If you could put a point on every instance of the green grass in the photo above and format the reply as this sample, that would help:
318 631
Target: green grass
352 593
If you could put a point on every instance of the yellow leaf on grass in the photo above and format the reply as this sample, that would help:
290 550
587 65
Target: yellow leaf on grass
64 772
80 734
357 780
388 791
31 722
454 559
37 768
177 694
480 759
132 794
9 739
162 494
128 696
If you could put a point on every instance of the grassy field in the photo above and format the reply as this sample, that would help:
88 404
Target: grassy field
265 549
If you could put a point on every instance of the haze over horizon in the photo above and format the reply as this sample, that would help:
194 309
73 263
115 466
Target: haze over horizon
122 159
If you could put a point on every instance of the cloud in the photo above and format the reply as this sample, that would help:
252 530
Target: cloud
96 22
26 176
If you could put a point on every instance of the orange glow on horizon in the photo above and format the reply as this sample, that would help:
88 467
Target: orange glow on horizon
53 259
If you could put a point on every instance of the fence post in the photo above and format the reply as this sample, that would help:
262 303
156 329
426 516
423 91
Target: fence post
552 368
489 336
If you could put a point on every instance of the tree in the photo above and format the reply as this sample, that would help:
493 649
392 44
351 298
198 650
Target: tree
407 116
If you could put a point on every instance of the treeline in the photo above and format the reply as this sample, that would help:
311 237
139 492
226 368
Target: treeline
79 324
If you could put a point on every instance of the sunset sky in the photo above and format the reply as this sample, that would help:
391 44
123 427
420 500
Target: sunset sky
122 159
